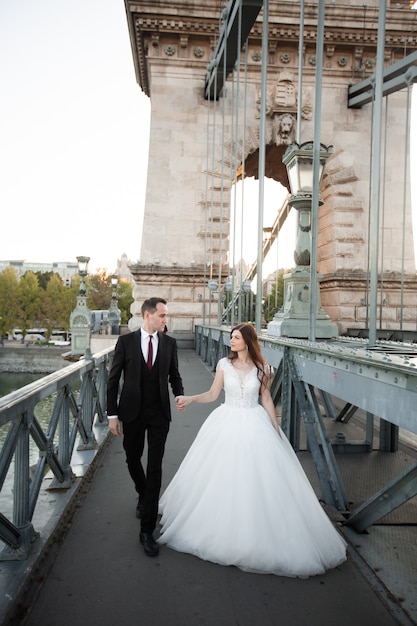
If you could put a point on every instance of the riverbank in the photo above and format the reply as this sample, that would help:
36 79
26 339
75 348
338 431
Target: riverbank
18 358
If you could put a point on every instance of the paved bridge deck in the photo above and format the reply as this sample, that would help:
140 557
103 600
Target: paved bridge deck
101 576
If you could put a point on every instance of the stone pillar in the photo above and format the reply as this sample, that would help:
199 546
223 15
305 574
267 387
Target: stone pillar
185 289
186 218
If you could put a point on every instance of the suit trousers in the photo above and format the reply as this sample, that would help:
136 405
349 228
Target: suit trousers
147 484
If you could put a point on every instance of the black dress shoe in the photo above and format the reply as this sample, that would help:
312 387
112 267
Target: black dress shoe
140 509
149 544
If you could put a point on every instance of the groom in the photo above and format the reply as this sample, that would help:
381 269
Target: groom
148 361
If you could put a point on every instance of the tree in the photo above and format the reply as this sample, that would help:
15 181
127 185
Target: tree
8 300
99 291
44 278
124 300
274 301
57 303
42 299
29 301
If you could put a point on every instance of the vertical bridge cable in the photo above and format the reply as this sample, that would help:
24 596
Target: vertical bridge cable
368 255
405 197
235 166
206 216
316 165
208 262
300 74
237 149
242 204
213 144
261 166
223 136
375 173
382 213
232 174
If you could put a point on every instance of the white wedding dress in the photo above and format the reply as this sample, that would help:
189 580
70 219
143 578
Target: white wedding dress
240 496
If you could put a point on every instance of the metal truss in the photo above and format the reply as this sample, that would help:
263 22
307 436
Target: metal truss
381 381
397 76
238 18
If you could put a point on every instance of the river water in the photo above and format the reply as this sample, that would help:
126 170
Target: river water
11 382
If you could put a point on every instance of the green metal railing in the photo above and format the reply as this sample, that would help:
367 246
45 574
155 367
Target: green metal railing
312 379
380 381
78 404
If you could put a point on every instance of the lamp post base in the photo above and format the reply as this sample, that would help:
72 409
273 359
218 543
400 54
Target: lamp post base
299 328
294 318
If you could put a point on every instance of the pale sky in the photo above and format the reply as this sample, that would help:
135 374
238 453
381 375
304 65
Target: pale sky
74 131
74 128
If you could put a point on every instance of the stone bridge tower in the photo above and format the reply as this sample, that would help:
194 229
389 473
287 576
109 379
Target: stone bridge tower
172 43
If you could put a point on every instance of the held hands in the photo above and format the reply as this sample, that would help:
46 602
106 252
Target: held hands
182 401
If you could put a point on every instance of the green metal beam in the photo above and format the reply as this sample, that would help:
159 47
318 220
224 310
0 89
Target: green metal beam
394 494
395 77
227 47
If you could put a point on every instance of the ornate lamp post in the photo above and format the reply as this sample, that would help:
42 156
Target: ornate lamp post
228 300
245 287
293 320
80 319
114 311
213 286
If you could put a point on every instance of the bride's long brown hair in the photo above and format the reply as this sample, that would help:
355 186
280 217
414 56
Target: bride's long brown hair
250 337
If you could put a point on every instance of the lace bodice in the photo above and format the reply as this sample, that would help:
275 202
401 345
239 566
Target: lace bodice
241 390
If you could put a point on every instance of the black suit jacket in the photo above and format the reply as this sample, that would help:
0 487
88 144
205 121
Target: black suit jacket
128 362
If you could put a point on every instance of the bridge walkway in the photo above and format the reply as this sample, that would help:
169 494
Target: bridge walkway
101 576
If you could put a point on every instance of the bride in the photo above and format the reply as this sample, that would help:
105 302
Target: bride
240 496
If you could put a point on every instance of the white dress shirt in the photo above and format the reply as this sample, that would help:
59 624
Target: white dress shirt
145 344
144 340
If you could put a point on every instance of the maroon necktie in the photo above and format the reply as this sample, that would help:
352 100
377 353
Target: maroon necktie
150 353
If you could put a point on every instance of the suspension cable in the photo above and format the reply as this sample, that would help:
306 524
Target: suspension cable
405 190
382 214
261 166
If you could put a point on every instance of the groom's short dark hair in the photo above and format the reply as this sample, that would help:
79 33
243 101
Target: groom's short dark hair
150 305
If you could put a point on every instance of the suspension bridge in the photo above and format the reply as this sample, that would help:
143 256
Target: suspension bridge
346 402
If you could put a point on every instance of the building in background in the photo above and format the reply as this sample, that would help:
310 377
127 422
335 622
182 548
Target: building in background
122 270
65 269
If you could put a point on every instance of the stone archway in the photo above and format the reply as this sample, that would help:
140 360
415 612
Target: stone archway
274 167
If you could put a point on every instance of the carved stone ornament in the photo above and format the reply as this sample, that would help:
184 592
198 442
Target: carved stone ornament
281 109
284 93
80 320
169 50
284 129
